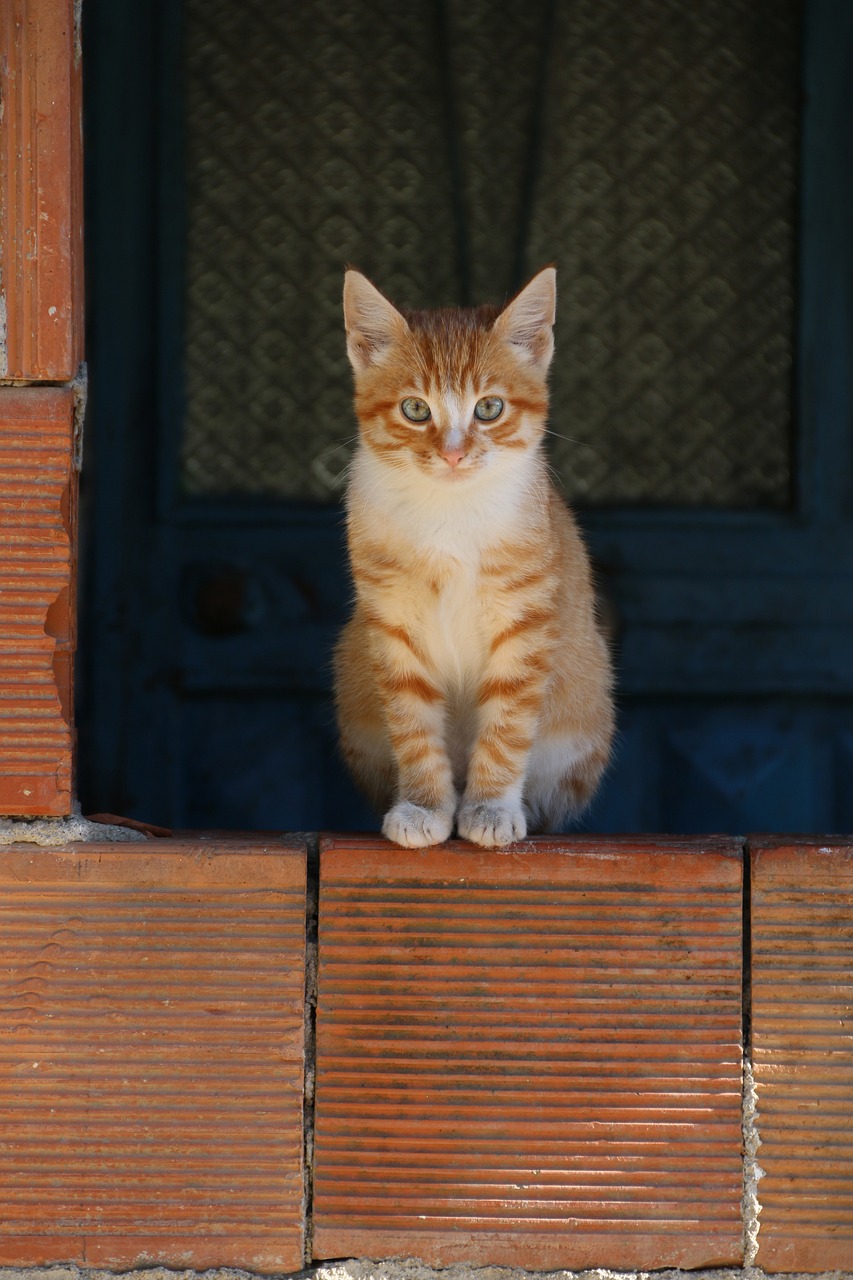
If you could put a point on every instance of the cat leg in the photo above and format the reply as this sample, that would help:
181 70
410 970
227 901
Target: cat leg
424 811
509 700
573 742
415 826
493 823
367 753
415 713
492 812
562 776
391 716
362 732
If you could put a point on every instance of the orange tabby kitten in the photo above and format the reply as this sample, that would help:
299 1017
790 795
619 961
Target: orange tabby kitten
473 685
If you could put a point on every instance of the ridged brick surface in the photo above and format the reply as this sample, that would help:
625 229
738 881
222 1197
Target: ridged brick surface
530 1057
151 1047
41 178
37 599
802 1033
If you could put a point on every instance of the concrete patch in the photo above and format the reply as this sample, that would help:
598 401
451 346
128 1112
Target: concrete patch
752 1171
58 831
409 1269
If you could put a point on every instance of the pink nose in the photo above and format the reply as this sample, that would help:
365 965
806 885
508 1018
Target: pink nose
453 456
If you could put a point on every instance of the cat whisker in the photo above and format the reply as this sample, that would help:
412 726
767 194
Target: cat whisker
584 444
320 464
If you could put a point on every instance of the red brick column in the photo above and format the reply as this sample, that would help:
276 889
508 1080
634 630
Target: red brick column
41 337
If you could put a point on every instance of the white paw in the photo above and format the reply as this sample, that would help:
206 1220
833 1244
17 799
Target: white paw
413 826
491 824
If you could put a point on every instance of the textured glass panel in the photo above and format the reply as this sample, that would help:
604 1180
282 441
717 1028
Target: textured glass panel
315 138
668 185
448 147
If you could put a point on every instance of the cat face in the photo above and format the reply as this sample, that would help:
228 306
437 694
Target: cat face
449 394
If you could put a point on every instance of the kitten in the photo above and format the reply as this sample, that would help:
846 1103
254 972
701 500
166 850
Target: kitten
473 686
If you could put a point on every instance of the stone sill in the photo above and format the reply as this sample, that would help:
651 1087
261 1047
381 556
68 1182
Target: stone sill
264 1051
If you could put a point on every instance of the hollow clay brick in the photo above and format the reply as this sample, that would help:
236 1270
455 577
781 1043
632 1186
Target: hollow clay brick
802 1046
151 1061
37 599
530 1057
41 232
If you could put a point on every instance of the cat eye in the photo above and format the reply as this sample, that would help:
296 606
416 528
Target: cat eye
489 408
415 410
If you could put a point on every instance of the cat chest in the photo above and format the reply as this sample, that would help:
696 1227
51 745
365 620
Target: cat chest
452 631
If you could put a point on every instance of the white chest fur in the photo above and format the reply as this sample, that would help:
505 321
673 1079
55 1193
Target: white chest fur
445 529
459 519
451 624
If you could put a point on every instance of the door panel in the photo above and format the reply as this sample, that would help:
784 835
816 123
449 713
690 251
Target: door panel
735 765
260 761
709 420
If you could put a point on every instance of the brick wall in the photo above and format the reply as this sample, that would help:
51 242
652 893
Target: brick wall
235 1052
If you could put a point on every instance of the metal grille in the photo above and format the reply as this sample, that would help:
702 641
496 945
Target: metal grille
447 148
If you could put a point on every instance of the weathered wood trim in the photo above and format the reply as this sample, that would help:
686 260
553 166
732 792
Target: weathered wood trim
41 178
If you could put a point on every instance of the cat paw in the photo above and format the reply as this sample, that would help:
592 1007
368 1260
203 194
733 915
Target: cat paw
414 827
491 824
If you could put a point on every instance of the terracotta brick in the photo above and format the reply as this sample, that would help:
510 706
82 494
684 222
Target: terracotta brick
41 235
151 1061
802 1045
37 599
530 1057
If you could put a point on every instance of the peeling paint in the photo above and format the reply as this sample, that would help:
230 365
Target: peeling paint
4 337
80 387
78 32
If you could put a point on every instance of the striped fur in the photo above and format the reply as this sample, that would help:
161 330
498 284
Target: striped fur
473 685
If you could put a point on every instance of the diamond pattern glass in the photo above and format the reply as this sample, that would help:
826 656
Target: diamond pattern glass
449 149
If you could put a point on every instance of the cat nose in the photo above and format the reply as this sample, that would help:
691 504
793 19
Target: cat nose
453 456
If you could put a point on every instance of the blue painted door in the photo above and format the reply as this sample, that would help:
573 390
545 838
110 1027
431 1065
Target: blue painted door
208 614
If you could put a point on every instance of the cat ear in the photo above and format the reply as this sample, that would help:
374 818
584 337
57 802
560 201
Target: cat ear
372 323
527 322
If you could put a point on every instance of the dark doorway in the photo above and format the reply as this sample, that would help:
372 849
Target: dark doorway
688 169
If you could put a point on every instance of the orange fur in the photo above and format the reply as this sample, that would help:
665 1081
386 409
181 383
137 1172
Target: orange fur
473 685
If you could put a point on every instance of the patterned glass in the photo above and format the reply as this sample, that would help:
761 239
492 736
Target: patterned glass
449 149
